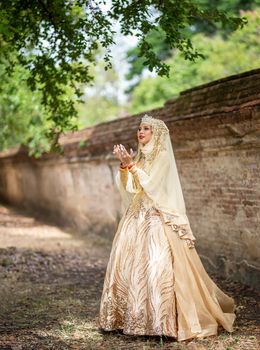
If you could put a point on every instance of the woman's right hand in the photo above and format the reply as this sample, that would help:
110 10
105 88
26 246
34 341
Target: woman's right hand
118 152
121 153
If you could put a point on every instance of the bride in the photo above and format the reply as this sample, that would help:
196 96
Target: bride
155 282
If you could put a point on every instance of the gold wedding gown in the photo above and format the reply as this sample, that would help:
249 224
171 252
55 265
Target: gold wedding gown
155 282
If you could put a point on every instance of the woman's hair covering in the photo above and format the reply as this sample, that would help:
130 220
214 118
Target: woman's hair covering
159 177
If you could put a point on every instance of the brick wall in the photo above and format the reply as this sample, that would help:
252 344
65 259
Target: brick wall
215 131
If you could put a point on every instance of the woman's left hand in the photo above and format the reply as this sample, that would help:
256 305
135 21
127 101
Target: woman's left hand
127 158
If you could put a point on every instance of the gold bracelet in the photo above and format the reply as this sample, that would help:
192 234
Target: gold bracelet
123 167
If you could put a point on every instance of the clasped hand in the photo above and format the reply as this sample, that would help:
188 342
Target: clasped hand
121 153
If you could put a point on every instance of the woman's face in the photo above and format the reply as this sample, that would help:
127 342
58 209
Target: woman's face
144 133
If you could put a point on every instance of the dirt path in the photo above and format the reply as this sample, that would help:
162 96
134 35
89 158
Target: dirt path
51 283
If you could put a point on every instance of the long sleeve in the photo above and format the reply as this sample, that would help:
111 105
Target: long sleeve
127 186
128 181
123 176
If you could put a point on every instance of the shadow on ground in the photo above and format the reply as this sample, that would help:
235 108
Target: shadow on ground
51 283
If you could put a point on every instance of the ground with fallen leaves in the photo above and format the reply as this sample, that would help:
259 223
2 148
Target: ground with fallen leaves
51 283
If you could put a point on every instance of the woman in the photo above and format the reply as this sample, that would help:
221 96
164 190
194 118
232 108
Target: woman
155 283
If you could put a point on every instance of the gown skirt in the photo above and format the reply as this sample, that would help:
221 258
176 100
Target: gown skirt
155 283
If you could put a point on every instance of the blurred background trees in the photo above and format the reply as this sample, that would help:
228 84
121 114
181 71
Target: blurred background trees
223 56
65 65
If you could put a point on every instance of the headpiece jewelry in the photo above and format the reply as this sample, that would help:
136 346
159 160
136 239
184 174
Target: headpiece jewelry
157 124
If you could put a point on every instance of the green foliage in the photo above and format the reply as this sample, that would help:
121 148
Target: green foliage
200 24
157 39
56 43
232 7
222 58
96 110
22 117
100 103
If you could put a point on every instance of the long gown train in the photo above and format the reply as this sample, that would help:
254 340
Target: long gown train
155 283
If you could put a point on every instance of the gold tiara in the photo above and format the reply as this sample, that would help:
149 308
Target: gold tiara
157 124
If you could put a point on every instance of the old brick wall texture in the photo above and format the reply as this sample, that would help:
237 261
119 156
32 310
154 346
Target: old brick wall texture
215 130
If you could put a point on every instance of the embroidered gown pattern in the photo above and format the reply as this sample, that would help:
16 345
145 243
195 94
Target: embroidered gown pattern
155 283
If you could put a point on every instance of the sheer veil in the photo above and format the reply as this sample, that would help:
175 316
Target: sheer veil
159 177
169 195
